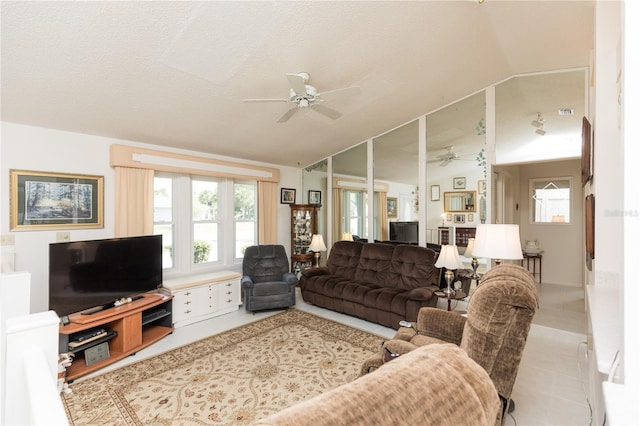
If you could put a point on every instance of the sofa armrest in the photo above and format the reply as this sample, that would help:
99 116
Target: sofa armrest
246 281
422 293
443 325
312 272
290 278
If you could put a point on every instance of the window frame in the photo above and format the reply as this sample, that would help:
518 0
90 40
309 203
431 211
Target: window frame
183 223
533 201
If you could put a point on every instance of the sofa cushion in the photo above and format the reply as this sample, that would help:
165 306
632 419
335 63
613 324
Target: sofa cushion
343 258
375 264
413 267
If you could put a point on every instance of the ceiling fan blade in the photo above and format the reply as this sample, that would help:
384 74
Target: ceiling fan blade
266 100
340 93
331 113
287 115
297 84
445 163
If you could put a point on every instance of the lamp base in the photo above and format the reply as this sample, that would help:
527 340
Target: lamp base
317 256
448 277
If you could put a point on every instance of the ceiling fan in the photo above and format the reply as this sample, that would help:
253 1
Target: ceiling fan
303 95
446 158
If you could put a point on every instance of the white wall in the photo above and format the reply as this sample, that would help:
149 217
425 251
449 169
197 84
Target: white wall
563 245
42 149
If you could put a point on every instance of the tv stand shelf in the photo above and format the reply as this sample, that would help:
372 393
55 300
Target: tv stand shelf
137 325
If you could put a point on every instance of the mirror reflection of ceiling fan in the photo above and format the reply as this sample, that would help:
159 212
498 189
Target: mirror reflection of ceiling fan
446 158
303 95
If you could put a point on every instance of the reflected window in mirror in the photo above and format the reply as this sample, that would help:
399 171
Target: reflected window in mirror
355 213
551 200
460 201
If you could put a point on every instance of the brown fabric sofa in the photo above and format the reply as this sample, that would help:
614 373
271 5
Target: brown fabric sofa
494 332
378 282
433 385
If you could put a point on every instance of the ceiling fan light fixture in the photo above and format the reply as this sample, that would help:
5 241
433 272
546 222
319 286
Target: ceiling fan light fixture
541 132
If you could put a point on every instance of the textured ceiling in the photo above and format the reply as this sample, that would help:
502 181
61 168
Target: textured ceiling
176 73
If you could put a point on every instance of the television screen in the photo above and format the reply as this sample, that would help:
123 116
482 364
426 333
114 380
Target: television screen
406 232
88 274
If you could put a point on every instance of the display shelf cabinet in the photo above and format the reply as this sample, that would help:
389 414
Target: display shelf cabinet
304 223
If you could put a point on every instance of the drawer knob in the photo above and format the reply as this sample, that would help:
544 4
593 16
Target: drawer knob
187 311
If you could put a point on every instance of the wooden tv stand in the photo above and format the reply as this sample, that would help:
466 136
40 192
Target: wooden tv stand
138 324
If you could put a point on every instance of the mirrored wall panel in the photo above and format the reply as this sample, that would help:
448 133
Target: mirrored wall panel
456 167
315 191
395 163
349 194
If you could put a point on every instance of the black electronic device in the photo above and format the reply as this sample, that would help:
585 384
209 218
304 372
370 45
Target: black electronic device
92 275
406 232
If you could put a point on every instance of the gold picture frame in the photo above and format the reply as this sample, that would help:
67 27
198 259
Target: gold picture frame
46 200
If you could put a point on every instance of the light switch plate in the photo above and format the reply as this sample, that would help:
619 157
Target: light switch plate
7 240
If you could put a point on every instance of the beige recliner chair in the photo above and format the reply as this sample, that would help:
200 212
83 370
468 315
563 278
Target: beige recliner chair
493 334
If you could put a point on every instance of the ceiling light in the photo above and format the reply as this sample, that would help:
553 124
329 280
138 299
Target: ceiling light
538 122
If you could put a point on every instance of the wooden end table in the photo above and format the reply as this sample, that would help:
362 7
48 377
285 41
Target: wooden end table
458 295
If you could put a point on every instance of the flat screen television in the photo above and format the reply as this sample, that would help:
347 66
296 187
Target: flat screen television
406 232
92 275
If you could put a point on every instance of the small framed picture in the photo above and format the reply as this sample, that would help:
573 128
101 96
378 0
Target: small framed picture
482 187
435 192
470 217
448 217
315 197
392 207
287 196
458 218
459 183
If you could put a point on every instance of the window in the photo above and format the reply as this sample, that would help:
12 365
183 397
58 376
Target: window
355 213
205 222
551 200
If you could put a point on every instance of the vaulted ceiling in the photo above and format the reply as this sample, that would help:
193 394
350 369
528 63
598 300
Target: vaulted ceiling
176 73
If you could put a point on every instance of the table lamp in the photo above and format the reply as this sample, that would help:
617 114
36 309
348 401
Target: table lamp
474 261
497 241
347 236
316 246
449 259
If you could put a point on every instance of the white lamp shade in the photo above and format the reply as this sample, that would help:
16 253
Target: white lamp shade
497 241
347 236
317 243
469 251
449 258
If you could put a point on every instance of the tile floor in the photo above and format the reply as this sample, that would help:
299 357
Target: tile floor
549 387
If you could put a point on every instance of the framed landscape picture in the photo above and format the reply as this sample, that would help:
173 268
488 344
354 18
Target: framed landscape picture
287 196
44 200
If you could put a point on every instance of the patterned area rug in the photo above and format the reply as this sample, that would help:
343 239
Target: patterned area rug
232 378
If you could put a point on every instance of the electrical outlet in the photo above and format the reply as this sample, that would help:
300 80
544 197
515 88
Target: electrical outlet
63 237
7 240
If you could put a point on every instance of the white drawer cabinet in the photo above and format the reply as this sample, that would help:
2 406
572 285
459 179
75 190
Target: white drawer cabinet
200 297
